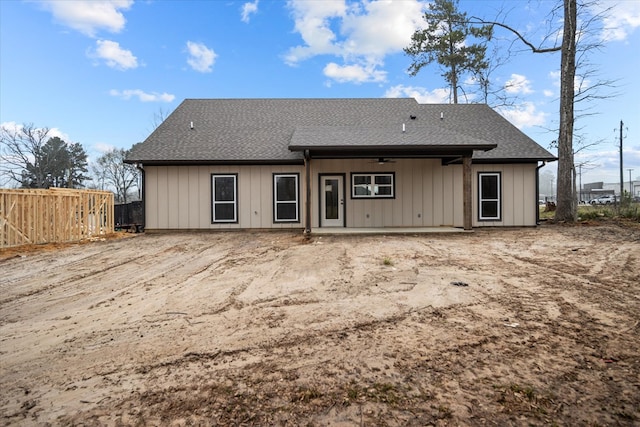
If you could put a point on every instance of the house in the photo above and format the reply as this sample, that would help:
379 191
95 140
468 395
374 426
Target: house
361 163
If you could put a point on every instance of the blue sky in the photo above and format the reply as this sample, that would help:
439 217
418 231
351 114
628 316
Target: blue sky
102 72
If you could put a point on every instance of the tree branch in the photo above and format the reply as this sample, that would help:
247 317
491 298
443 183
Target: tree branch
476 20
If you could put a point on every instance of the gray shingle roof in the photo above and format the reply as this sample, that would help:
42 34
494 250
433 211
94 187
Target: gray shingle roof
392 136
274 130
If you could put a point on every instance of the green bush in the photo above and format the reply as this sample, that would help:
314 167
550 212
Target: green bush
631 211
586 213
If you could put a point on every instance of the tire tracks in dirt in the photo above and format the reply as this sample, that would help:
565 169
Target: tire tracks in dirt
324 332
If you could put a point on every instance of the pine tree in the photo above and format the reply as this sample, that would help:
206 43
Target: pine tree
445 41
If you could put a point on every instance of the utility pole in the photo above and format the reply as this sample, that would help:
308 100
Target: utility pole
580 183
621 177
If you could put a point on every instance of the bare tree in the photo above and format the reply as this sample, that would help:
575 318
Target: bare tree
574 48
158 117
496 95
33 159
20 149
567 203
111 171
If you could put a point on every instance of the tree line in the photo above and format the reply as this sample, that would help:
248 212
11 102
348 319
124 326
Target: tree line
30 157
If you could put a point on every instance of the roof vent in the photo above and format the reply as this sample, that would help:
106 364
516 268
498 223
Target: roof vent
412 117
403 129
191 125
441 115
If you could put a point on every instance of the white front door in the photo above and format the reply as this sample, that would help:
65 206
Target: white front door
332 201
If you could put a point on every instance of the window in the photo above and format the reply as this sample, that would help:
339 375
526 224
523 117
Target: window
371 185
224 191
489 196
285 198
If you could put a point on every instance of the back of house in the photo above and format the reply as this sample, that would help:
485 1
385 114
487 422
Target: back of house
319 163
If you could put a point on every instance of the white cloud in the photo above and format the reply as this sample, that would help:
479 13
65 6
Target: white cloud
354 73
249 9
142 96
103 147
53 132
362 32
422 95
312 21
604 165
622 19
548 93
580 83
14 127
518 84
382 27
88 17
524 115
201 58
114 56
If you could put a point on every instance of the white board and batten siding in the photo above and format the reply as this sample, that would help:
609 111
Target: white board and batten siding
179 197
427 194
518 196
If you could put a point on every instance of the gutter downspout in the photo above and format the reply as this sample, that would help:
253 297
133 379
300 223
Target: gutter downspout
307 206
538 191
467 197
140 167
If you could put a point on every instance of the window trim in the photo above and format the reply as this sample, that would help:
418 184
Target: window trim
296 176
482 217
235 198
373 176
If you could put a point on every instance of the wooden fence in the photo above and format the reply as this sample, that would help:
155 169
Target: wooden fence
55 215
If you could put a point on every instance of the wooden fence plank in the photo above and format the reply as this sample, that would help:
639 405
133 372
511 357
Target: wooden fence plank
53 215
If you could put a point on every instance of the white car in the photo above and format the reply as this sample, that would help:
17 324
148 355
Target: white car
604 200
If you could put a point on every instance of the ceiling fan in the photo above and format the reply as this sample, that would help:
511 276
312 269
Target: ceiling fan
383 160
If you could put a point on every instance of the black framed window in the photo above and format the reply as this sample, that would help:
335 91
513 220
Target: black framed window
489 196
224 189
286 206
372 185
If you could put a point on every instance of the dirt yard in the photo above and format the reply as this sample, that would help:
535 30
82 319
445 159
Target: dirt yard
495 327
